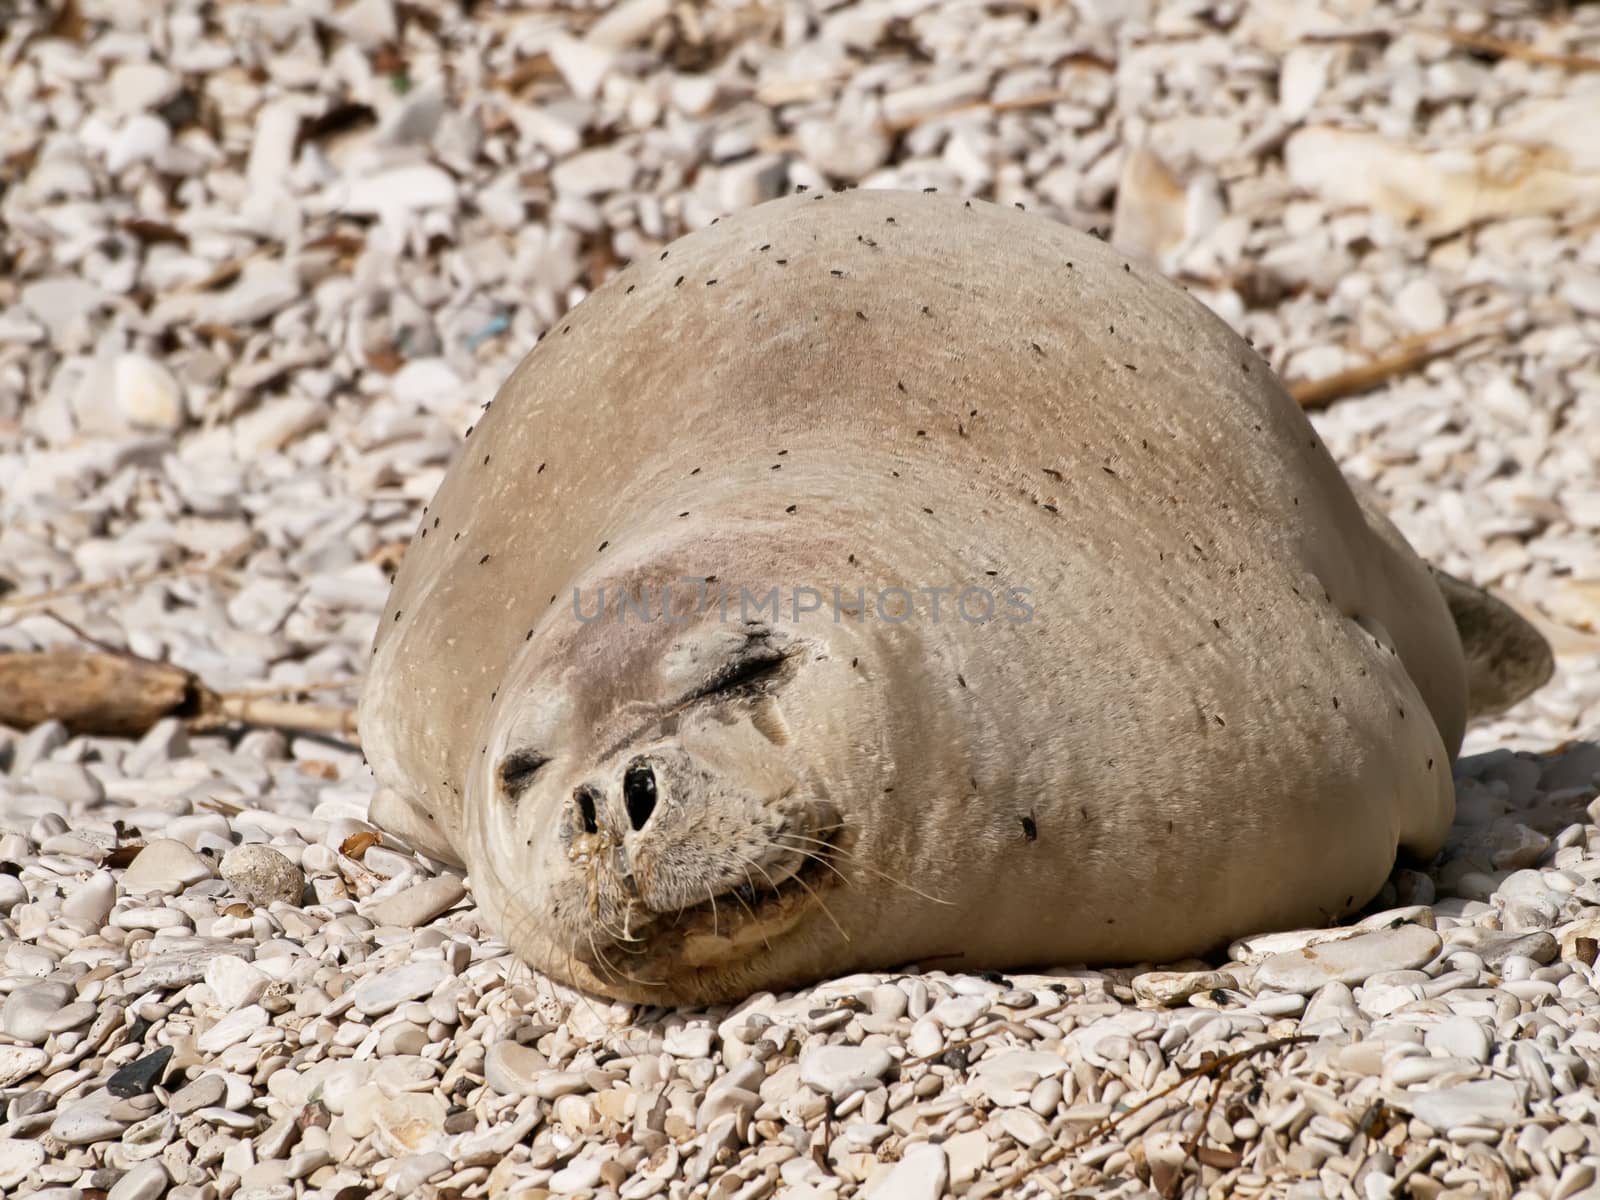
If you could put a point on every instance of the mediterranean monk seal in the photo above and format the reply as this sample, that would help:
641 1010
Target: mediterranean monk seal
875 578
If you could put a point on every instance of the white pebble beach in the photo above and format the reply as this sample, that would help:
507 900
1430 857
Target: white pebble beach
261 265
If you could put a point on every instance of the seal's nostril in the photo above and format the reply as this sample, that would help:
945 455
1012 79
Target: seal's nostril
585 798
639 792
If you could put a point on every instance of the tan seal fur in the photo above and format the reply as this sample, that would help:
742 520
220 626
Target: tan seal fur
1235 698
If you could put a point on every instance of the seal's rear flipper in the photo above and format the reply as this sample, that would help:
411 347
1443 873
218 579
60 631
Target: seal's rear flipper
1507 658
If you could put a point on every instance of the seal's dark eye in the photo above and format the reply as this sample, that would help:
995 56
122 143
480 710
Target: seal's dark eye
517 770
639 792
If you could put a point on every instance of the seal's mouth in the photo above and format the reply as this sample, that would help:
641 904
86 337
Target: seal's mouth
768 890
747 919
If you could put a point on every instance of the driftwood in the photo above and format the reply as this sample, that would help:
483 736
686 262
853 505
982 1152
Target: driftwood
123 695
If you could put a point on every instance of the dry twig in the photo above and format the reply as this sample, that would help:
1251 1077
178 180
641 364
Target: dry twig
1408 355
1487 43
123 695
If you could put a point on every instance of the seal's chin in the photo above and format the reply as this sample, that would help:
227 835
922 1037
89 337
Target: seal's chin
734 925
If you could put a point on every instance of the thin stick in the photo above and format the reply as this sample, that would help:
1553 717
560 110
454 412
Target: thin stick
1016 104
1408 355
1489 44
1416 1164
264 690
281 714
33 600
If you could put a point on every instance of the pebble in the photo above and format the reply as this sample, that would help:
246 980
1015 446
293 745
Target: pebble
1495 1103
263 875
1460 1037
18 1158
688 1041
1171 988
233 1029
419 903
164 865
148 394
92 900
147 1180
18 1063
921 1174
27 1011
1350 961
234 982
837 1070
254 300
385 991
87 1121
512 1069
1008 1079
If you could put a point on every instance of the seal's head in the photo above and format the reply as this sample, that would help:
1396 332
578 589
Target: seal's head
654 805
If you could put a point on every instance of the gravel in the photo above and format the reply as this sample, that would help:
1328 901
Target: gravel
260 265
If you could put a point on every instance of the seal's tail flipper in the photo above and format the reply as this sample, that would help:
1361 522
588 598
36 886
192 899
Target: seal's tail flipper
1507 658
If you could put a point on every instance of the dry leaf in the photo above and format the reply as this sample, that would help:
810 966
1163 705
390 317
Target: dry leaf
357 844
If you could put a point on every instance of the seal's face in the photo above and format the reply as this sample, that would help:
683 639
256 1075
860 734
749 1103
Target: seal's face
655 806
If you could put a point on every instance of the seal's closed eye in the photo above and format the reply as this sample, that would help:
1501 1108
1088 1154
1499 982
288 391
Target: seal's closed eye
517 770
757 662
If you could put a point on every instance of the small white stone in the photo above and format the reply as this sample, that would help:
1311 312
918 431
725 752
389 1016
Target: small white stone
836 1069
142 138
62 302
1302 78
18 1157
91 900
960 1012
926 1039
844 152
164 865
18 1062
88 1120
417 904
513 1069
263 289
1460 1037
147 1180
234 982
384 991
580 1175
1350 961
411 188
596 172
370 23
148 394
410 1123
1582 291
582 65
139 86
1171 988
921 1174
688 1041
624 24
1007 1079
232 1029
27 1011
1495 1103
1421 305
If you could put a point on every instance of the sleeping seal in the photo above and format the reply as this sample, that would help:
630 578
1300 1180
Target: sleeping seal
879 578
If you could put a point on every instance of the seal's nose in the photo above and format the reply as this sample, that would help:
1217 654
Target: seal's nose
639 792
587 800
